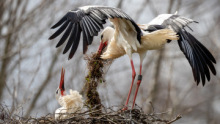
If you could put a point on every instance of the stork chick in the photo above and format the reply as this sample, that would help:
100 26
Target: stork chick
70 103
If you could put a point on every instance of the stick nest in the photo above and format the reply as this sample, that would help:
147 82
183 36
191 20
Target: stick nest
112 115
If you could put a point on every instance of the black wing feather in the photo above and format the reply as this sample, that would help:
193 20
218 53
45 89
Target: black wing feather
85 42
88 37
93 26
97 26
87 26
71 39
59 31
89 21
199 57
76 41
97 20
59 22
65 35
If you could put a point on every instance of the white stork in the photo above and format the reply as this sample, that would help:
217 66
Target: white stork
70 103
127 38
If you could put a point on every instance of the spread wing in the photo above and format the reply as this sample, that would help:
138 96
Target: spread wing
199 57
89 20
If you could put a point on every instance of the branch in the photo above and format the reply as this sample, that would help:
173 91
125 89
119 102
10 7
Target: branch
44 84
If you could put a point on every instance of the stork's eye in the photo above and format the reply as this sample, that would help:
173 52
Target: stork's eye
101 36
57 91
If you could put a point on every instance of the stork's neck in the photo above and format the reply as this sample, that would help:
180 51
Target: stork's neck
108 34
113 51
60 101
59 98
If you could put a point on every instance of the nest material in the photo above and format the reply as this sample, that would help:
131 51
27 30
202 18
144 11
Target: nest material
95 65
112 115
95 76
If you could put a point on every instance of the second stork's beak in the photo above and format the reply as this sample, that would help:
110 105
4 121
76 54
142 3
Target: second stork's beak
102 47
61 87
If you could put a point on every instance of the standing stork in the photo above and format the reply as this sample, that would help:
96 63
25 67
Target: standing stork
125 38
70 102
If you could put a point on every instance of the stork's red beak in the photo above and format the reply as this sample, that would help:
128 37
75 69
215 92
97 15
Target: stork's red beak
102 46
62 89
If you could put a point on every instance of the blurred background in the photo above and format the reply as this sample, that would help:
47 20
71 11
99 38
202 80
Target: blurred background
30 64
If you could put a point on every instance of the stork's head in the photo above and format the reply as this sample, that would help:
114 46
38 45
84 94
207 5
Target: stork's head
106 37
61 90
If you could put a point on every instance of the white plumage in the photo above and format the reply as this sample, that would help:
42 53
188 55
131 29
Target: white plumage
159 19
70 103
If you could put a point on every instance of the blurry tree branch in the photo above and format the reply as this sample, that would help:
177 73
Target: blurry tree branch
44 84
141 9
11 27
156 75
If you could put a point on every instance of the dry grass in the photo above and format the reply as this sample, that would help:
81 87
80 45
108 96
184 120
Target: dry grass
95 76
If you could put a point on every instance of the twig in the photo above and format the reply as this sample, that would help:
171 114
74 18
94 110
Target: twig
175 119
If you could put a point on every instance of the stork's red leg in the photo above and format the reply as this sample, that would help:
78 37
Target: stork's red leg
138 84
133 77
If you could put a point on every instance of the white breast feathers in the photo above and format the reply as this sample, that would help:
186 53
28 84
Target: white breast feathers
71 103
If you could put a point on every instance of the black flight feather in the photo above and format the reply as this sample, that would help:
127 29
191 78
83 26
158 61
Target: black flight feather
198 56
71 39
65 35
76 41
89 21
59 31
59 22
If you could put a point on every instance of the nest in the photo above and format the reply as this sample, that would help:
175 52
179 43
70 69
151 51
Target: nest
112 115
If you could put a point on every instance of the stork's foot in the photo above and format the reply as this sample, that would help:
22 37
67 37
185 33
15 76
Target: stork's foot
125 108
